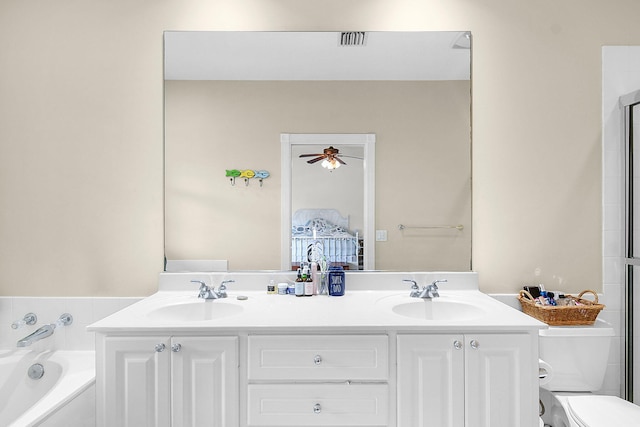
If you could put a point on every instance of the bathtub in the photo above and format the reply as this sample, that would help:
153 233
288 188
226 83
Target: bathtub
63 393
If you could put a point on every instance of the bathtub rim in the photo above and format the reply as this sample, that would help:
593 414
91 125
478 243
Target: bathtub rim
77 377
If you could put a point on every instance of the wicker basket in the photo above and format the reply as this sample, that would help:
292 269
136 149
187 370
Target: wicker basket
583 314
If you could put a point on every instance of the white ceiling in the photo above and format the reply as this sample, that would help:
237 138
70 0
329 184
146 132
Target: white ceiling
248 55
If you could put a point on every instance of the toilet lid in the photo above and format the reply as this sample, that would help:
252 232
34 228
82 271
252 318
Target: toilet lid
603 411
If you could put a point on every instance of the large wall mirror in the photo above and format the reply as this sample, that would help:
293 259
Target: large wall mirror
231 96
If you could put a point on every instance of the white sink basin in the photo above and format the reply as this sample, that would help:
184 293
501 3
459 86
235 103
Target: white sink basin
437 309
195 311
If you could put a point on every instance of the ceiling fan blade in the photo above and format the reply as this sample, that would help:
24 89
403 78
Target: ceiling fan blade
351 157
312 161
339 160
311 155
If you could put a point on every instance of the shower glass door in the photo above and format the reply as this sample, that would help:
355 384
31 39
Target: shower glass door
631 105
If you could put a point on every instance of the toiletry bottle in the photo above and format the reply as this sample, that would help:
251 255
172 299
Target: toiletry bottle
271 287
308 283
282 288
336 281
315 277
299 285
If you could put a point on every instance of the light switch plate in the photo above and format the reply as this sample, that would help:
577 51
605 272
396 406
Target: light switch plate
381 235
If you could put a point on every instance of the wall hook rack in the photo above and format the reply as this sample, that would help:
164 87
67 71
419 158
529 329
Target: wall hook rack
247 174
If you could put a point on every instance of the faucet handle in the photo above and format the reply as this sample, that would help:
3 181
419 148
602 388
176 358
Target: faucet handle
65 319
415 289
222 289
414 285
435 282
204 291
28 319
199 281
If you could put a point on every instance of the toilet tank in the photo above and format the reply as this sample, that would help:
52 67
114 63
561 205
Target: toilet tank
578 355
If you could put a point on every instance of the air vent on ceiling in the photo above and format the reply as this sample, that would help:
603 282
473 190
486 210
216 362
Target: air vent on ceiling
352 38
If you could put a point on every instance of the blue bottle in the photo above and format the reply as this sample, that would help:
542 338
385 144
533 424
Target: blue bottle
336 281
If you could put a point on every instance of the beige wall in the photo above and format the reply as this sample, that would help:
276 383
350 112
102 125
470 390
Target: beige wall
422 166
81 134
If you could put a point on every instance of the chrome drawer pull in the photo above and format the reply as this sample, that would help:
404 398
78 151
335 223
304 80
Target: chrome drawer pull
176 347
475 344
317 360
159 347
317 408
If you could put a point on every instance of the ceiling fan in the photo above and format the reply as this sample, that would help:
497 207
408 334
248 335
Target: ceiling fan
330 156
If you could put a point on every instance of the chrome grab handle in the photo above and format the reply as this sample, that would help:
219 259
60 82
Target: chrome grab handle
317 360
160 347
317 408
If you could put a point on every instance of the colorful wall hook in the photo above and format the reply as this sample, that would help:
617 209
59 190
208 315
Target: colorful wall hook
247 174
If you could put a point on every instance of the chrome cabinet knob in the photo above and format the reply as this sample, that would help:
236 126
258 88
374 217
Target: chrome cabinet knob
176 347
317 360
317 408
474 344
160 348
457 345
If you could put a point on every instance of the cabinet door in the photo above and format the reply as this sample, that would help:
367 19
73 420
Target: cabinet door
135 389
431 381
205 381
500 372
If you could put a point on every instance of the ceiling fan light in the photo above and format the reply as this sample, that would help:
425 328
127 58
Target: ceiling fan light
330 164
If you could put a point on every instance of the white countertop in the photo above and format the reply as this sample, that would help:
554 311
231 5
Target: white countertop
359 310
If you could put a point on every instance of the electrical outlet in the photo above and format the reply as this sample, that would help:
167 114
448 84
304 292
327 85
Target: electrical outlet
381 235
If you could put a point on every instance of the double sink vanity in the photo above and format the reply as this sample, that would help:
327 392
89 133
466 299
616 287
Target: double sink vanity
373 357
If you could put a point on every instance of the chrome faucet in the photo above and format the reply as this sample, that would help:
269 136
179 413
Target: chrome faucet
45 331
208 292
427 292
37 335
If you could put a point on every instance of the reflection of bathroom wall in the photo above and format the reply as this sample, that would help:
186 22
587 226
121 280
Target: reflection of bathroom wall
422 164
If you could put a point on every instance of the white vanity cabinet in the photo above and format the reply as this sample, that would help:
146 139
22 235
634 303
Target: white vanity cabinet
167 381
472 380
318 380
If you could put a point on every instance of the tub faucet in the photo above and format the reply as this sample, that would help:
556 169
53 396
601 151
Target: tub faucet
45 331
37 335
209 292
427 292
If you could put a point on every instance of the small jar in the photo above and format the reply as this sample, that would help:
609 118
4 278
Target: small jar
282 288
271 287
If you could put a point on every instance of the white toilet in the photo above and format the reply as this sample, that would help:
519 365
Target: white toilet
577 357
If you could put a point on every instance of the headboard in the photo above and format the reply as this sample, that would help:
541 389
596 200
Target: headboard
302 217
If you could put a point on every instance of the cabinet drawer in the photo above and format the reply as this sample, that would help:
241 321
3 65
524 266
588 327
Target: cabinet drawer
324 357
318 405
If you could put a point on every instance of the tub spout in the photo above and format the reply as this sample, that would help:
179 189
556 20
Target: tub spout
37 335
